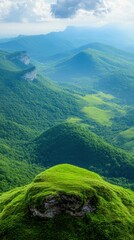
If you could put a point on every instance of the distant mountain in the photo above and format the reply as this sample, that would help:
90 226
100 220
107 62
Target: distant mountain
75 144
67 202
42 47
112 35
97 66
39 47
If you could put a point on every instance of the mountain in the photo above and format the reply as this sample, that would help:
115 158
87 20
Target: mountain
39 47
43 47
29 100
112 35
97 66
67 202
75 144
29 104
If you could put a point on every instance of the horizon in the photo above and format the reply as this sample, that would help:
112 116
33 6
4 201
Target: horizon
43 16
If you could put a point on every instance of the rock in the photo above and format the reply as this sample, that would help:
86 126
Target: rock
30 75
21 57
67 204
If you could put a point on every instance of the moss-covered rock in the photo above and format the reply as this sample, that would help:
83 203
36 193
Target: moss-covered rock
68 190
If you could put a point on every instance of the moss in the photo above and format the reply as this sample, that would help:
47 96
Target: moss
113 218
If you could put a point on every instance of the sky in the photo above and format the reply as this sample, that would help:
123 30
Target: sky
43 16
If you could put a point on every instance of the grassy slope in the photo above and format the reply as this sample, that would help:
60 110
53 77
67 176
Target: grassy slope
102 108
74 143
112 219
126 139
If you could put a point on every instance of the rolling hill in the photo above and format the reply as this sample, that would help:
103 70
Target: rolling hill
39 47
74 144
67 202
29 104
28 99
99 67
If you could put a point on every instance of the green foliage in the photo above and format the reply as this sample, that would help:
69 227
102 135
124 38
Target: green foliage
112 219
15 173
76 144
98 67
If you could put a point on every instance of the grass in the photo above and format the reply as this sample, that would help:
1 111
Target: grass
128 134
126 139
102 108
113 218
74 143
101 116
73 120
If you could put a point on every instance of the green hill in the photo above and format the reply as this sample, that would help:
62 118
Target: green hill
40 47
37 103
97 66
75 144
27 108
67 202
31 104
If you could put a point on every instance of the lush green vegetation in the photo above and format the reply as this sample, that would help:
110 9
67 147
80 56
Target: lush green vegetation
97 79
30 107
27 109
112 218
99 67
76 144
16 173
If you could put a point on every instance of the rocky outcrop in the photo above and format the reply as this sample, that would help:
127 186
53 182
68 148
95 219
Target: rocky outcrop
67 204
30 74
21 57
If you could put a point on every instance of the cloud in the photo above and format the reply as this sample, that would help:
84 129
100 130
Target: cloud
24 10
69 8
30 15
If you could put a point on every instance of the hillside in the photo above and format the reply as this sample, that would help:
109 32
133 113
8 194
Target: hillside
29 104
29 100
15 173
75 144
67 202
40 47
99 67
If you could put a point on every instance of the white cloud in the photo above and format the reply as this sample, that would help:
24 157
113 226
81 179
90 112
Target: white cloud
50 14
24 10
69 8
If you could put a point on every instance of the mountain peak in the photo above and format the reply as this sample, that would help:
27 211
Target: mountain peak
66 201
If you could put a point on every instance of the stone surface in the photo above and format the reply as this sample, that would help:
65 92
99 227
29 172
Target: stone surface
69 204
21 57
30 76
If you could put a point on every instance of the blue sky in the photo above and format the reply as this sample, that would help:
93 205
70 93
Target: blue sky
41 16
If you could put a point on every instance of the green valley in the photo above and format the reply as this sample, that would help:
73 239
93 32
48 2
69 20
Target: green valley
66 130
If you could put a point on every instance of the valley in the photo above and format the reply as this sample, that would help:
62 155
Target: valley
66 137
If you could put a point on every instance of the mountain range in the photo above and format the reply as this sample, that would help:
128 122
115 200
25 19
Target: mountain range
66 116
